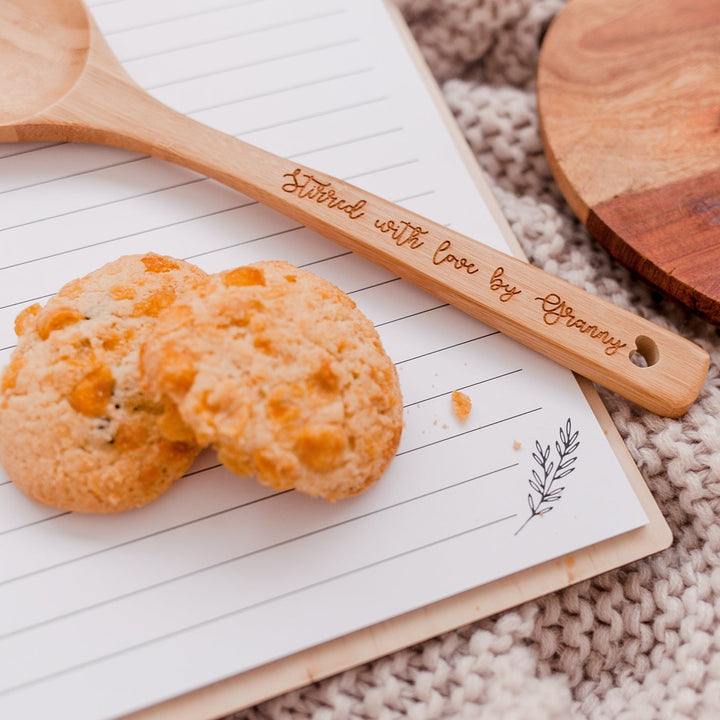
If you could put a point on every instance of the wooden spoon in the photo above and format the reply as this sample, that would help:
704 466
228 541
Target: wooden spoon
60 81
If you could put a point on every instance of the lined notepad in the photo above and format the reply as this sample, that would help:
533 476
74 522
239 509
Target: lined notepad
101 616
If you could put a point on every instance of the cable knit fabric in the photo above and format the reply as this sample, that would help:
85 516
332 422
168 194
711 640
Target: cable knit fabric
638 643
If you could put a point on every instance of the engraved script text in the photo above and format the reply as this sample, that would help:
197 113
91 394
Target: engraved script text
498 284
556 310
308 186
442 255
402 232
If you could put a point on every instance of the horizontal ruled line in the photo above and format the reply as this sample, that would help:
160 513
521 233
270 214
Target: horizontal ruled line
284 89
98 205
66 177
173 18
471 431
255 63
154 228
330 258
129 235
345 143
242 556
229 36
312 116
409 450
42 146
100 3
463 387
95 553
201 179
23 302
238 134
446 347
40 521
252 606
240 243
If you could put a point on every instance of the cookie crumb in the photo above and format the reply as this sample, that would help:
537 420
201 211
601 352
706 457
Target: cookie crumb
461 405
516 444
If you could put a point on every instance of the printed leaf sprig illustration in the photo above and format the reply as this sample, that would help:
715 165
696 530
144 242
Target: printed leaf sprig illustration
545 491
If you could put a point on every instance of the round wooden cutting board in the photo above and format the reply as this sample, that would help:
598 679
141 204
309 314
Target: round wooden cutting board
629 107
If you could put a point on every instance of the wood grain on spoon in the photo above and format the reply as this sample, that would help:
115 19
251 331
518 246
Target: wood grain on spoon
99 103
39 64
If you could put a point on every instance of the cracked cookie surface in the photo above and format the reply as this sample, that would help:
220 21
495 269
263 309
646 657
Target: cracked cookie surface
76 430
280 371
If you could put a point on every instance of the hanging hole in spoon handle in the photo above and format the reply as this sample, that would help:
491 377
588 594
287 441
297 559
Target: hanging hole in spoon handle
645 353
580 331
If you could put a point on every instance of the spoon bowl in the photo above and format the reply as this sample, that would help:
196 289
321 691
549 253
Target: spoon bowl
59 80
44 50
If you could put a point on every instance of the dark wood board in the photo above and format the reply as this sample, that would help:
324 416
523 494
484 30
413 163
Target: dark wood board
629 107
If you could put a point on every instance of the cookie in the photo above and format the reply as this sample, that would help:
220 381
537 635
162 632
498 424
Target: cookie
76 430
281 373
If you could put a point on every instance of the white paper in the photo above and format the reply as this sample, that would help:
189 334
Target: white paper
100 616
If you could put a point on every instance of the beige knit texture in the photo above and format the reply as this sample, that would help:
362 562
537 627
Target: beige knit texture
638 643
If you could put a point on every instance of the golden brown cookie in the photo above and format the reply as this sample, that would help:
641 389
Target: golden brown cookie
76 430
283 375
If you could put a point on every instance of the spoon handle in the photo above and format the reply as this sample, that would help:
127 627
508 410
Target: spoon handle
572 327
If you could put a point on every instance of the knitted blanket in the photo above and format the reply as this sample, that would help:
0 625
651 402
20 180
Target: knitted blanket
637 643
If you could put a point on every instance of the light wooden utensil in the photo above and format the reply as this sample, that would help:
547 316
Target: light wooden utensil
60 81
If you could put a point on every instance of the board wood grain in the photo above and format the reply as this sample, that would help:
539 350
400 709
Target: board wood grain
629 107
